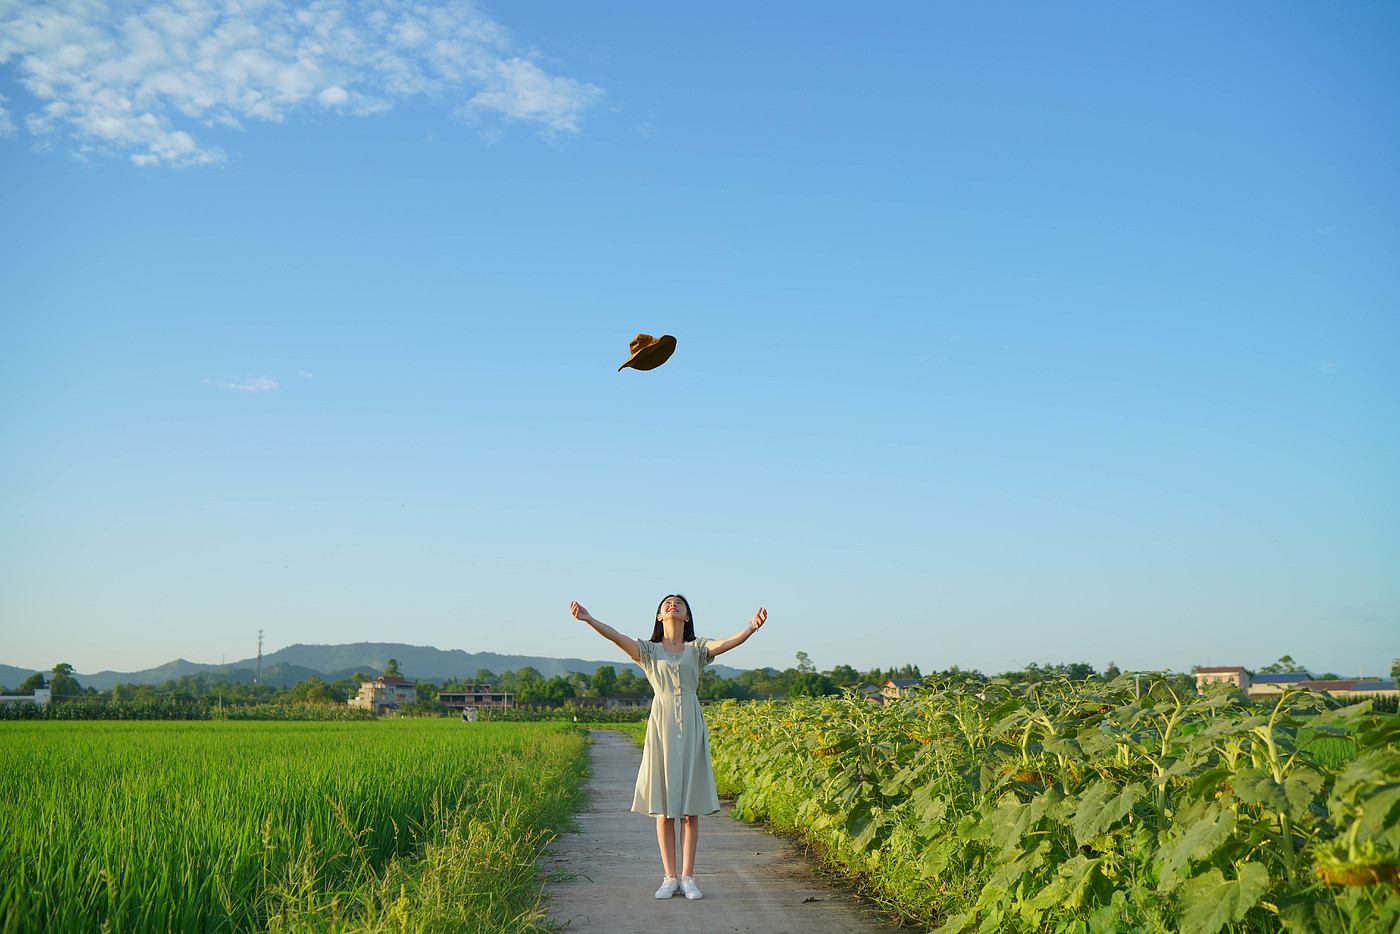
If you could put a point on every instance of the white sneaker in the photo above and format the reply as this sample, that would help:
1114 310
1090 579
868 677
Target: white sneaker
688 887
668 887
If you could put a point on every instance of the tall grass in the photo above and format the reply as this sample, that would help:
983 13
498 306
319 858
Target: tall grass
221 826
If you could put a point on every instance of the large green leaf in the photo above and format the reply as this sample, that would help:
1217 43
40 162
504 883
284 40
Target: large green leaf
1209 780
1385 732
1231 727
934 859
1374 768
1209 902
1291 796
1025 861
1306 914
954 924
1206 826
1103 806
863 825
1054 804
1007 824
1183 766
1380 815
1071 884
1339 721
927 805
1062 746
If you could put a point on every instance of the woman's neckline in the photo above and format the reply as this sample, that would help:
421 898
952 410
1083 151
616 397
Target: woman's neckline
680 651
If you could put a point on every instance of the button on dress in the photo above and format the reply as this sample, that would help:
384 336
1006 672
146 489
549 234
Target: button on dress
676 778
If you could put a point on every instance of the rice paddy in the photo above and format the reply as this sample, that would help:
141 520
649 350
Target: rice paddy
217 826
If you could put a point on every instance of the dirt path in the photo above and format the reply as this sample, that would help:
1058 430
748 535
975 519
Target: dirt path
752 882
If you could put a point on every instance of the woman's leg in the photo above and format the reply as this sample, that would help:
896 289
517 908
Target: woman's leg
690 828
666 837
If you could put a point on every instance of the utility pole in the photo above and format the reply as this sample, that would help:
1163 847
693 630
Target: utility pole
257 678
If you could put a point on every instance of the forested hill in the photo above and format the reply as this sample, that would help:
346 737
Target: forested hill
333 662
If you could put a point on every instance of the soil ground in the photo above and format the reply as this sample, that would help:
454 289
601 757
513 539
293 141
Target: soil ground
753 882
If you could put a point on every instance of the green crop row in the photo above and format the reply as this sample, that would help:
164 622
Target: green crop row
565 712
1082 807
166 710
224 826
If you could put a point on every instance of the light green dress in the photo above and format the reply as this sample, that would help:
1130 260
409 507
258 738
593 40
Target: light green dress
676 778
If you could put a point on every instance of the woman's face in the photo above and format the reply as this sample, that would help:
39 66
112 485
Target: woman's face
674 606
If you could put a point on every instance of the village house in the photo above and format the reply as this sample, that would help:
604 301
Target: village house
895 688
872 693
1283 677
1339 688
476 696
1232 675
383 695
1270 686
628 701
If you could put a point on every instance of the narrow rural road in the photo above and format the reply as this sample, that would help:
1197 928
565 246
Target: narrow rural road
752 882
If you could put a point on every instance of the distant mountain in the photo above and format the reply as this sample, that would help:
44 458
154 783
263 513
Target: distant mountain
12 677
333 662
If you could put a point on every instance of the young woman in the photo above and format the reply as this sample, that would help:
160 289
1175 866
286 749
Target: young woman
676 779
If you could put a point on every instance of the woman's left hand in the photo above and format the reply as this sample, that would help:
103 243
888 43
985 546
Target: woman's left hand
758 620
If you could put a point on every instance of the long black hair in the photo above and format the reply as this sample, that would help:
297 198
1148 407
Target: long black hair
659 630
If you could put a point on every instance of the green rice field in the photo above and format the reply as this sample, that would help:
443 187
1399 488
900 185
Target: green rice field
219 826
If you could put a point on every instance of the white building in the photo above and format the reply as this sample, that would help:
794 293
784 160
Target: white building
41 696
384 695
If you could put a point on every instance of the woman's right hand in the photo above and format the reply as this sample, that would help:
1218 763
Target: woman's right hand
579 612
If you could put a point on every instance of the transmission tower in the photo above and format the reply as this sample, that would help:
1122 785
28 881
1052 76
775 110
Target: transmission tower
257 678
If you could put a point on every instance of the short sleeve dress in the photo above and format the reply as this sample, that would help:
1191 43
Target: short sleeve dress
676 778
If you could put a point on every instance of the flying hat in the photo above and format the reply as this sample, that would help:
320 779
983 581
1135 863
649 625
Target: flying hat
649 352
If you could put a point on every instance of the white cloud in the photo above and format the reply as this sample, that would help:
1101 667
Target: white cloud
257 384
1324 367
303 373
7 126
522 91
145 79
333 96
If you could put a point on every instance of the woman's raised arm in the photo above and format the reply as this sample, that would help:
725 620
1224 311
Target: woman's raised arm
626 643
720 646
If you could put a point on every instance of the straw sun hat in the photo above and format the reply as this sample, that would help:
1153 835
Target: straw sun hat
649 352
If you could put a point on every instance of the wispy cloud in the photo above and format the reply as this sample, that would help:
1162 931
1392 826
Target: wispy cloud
140 79
7 126
1324 367
303 374
257 384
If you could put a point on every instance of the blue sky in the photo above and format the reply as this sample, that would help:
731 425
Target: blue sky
1006 332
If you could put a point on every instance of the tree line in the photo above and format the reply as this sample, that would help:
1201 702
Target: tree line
528 685
532 688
